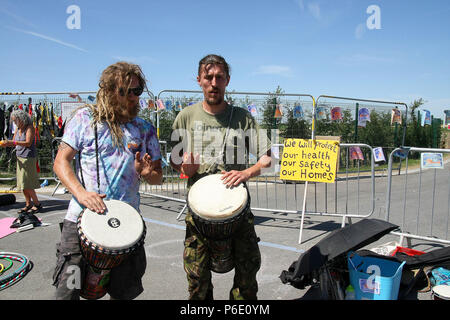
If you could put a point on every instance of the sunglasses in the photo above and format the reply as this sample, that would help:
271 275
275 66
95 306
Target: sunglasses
136 91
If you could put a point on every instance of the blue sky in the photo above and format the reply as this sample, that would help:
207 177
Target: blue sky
304 46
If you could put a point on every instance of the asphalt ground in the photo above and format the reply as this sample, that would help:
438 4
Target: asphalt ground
165 277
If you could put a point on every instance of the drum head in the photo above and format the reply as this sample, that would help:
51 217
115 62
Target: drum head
441 292
211 199
120 227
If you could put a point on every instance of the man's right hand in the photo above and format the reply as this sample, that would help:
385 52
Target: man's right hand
93 201
190 164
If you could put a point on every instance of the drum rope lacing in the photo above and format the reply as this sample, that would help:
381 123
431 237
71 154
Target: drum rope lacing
10 279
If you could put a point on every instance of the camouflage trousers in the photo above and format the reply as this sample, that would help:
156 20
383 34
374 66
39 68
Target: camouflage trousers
246 255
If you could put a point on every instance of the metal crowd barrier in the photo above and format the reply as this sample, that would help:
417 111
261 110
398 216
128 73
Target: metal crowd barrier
419 200
352 195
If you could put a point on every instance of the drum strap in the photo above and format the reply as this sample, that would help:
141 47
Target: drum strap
96 161
222 152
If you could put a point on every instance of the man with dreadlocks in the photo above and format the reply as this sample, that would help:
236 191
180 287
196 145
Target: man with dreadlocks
128 150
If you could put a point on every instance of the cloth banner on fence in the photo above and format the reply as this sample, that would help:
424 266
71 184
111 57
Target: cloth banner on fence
160 104
75 96
178 106
431 160
168 105
143 103
363 117
447 116
401 153
426 119
298 112
321 113
336 113
378 154
356 153
252 109
309 160
396 116
278 111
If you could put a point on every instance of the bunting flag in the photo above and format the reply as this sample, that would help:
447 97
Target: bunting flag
150 104
143 103
363 117
252 109
278 111
298 112
75 96
402 152
168 105
160 104
321 113
426 119
378 154
178 106
91 98
396 116
356 153
336 113
447 116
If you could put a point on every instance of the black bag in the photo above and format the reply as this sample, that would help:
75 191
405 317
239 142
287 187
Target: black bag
339 242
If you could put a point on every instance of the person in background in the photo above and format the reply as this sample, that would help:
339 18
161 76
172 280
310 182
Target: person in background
27 176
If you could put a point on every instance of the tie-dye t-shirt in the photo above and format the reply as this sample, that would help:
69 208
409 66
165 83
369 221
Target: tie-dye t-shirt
118 177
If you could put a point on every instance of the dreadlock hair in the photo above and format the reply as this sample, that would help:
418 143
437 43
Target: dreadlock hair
115 79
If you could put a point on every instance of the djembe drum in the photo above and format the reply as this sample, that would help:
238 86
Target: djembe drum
218 211
106 240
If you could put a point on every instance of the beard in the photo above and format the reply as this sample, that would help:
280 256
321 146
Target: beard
215 100
127 113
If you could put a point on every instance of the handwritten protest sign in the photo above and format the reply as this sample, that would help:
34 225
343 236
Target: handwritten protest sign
309 160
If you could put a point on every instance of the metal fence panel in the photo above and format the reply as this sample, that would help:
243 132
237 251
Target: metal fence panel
47 107
419 199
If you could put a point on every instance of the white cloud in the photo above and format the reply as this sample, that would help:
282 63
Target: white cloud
274 70
42 36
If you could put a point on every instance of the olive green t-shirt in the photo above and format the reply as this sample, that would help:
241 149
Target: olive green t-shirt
196 131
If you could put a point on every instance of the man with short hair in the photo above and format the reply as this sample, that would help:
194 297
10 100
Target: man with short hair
236 132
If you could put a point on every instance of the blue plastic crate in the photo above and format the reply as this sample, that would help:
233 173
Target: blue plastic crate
374 278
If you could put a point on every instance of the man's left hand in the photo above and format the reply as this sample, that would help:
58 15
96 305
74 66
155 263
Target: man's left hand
234 177
143 166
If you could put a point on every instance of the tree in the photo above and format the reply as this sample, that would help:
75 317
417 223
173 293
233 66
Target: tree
269 121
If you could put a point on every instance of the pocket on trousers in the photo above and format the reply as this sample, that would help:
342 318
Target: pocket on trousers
191 257
64 256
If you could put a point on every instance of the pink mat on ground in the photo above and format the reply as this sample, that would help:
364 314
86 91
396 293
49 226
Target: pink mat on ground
5 230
